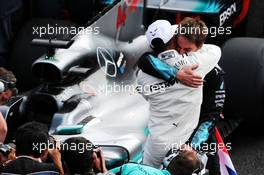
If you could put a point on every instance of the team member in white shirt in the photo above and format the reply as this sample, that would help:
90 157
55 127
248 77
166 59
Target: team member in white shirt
174 107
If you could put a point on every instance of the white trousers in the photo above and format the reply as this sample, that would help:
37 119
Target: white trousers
156 148
154 152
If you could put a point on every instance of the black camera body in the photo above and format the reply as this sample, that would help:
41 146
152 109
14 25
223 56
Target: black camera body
5 149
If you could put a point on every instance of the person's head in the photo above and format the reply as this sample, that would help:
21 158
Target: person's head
185 162
32 140
79 160
7 85
160 36
191 35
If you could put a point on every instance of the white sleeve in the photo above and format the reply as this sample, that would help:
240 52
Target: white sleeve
208 57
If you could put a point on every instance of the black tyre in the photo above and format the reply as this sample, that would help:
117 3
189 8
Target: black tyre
243 62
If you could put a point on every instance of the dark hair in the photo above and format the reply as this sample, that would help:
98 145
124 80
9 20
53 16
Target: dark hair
159 46
7 75
29 138
194 30
184 164
8 78
78 162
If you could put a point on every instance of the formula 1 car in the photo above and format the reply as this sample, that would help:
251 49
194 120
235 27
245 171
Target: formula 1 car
222 17
76 96
88 83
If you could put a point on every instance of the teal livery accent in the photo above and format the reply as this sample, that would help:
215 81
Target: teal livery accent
137 158
192 6
166 71
208 6
202 134
69 130
222 86
108 1
146 131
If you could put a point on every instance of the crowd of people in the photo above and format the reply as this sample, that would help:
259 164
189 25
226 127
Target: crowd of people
30 159
185 68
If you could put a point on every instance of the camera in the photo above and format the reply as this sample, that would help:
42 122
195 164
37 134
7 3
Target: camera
5 149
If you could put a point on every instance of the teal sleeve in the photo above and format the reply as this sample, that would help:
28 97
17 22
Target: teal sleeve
166 71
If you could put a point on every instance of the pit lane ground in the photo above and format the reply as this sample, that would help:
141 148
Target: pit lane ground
248 149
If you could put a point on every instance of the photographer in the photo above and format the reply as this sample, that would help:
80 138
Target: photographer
7 90
88 160
7 85
30 153
7 154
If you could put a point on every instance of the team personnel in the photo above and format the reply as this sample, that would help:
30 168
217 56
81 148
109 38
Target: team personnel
213 97
174 107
